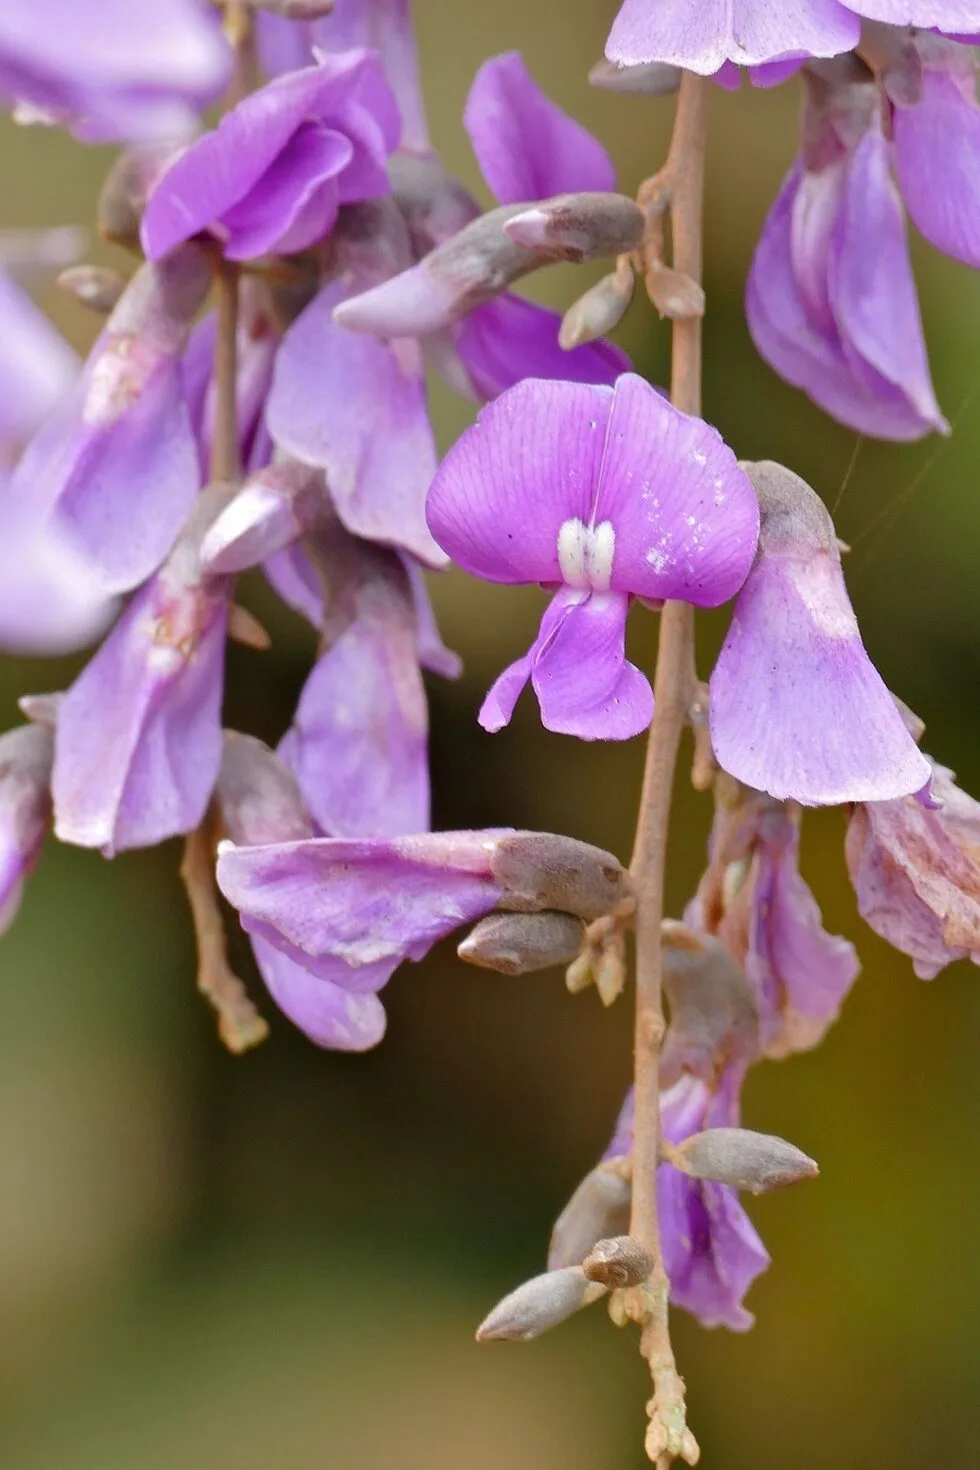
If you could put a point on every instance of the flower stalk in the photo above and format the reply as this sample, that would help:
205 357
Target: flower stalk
683 184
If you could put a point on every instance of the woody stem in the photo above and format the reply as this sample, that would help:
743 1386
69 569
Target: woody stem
674 690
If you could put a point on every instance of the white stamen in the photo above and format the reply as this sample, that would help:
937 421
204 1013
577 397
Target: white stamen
585 554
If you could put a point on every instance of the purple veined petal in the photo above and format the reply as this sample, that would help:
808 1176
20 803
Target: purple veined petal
385 25
702 38
684 517
528 464
509 339
936 154
356 407
873 291
37 366
126 73
294 204
797 708
367 904
584 684
807 357
577 665
358 744
330 1015
528 147
948 16
219 170
138 738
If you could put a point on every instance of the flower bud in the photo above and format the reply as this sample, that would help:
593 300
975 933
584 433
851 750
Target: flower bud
675 295
756 1162
538 1305
652 78
618 1262
598 1210
579 227
519 944
127 186
434 204
713 1016
271 511
96 286
599 310
542 870
40 709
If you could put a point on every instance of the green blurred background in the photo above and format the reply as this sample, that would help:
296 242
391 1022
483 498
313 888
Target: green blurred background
225 1264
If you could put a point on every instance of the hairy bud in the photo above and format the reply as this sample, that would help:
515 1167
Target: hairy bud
271 511
756 1162
618 1262
675 295
579 227
599 310
40 709
519 944
538 1305
96 286
599 1209
712 1010
543 870
123 196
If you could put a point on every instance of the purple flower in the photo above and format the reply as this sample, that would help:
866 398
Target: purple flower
359 739
701 35
352 911
138 740
275 172
384 25
754 899
260 802
114 471
604 494
113 69
936 147
916 872
704 35
711 1250
528 149
831 300
797 708
356 407
26 754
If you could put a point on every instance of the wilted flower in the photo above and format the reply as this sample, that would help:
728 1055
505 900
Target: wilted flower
604 494
797 709
259 802
754 898
115 469
138 740
916 872
274 173
831 299
111 68
711 1250
352 911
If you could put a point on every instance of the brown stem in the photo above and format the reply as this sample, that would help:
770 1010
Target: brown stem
226 465
239 1024
668 1435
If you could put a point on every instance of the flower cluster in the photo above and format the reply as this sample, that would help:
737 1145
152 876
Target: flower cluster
256 398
